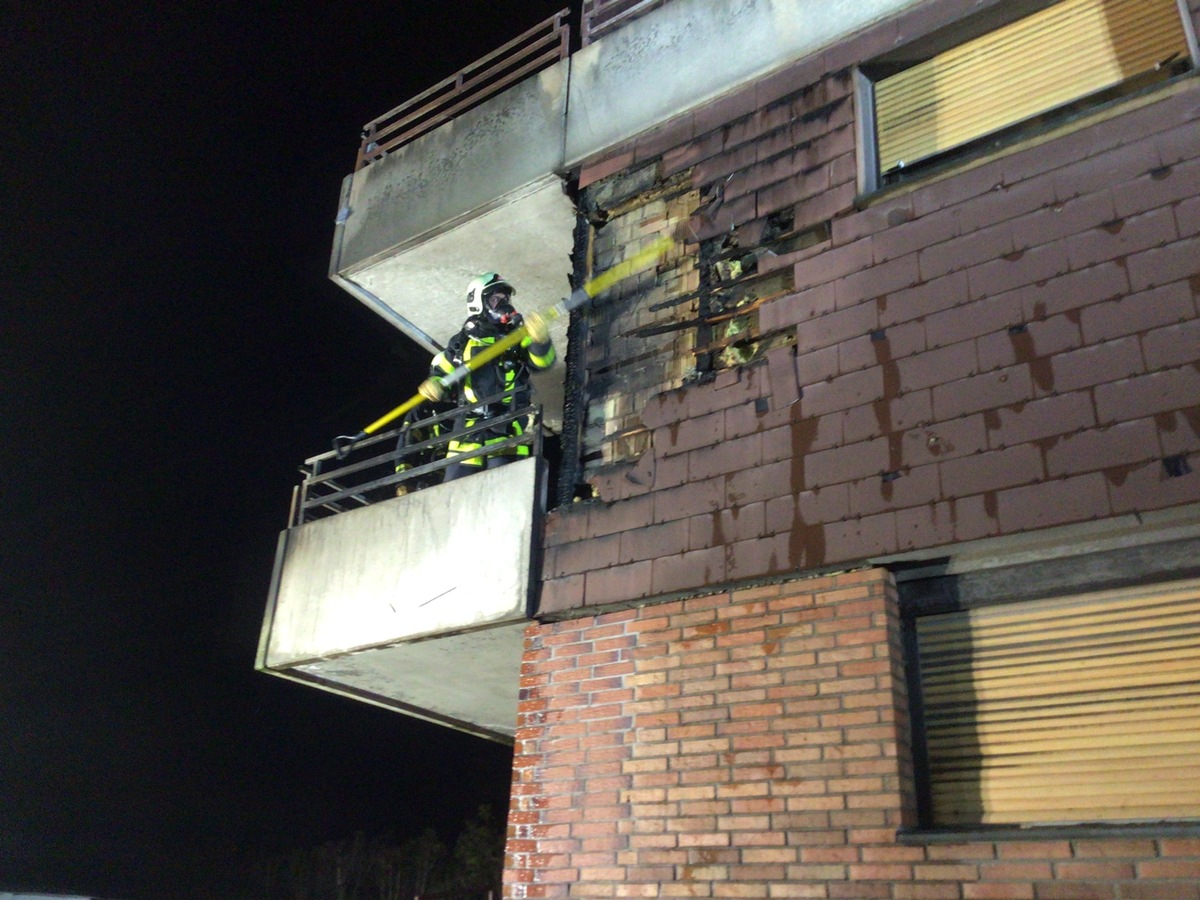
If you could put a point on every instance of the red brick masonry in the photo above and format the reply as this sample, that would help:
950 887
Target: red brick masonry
754 744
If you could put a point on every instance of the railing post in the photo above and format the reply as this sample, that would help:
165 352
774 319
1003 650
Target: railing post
295 507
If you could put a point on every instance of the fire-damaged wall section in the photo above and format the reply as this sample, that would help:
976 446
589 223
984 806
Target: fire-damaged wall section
813 378
700 311
641 332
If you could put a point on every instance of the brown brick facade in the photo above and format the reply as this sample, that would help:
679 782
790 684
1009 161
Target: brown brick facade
754 744
1007 347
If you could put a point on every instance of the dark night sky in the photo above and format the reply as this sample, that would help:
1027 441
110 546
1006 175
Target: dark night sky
170 351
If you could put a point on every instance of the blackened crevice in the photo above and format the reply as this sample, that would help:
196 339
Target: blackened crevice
570 463
1177 466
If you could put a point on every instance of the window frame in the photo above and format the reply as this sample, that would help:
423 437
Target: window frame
927 589
1068 115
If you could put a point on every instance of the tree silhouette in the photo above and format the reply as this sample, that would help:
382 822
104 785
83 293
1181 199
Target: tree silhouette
381 868
479 854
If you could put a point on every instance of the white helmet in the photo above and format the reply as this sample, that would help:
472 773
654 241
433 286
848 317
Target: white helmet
488 292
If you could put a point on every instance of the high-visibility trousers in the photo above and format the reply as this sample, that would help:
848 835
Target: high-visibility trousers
480 439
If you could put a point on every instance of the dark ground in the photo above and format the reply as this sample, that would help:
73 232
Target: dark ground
170 351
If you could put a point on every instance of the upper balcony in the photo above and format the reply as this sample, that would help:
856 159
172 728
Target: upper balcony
475 174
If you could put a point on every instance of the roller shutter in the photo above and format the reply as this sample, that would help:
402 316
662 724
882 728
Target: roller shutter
1068 710
1040 62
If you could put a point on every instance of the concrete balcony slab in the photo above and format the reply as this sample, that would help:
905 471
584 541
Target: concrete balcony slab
417 603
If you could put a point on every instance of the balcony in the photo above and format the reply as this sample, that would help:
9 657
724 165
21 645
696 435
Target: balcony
417 603
461 180
472 175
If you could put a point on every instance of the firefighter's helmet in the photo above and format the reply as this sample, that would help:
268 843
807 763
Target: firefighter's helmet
488 292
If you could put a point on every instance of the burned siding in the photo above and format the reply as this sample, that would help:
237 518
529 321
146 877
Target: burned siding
639 339
700 311
1005 347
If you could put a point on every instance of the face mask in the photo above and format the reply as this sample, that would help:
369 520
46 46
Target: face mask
499 307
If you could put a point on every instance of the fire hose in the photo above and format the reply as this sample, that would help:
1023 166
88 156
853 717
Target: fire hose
344 443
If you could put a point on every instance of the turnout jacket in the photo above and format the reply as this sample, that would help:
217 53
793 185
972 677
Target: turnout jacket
508 372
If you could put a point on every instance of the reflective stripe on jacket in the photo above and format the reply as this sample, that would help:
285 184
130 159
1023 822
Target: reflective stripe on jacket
509 372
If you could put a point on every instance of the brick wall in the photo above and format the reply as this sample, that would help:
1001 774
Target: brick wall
754 744
1009 347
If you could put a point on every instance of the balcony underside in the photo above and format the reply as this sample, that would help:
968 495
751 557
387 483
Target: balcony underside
417 603
463 681
526 236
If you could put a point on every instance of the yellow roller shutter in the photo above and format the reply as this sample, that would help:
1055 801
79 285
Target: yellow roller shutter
1069 710
1040 62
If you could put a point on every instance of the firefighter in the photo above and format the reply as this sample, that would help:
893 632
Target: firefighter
416 429
490 316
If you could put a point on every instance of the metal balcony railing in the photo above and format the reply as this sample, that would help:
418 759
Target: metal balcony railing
368 472
539 47
602 16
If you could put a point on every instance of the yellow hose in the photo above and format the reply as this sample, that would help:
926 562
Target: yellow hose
601 282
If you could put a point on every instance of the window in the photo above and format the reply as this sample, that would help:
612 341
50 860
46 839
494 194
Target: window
1074 709
990 79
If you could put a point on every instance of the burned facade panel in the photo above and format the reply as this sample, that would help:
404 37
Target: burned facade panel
639 334
760 191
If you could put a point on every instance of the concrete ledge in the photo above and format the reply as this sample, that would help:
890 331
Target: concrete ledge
486 153
417 603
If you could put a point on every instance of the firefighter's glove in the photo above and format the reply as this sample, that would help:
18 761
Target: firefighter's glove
537 327
432 389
